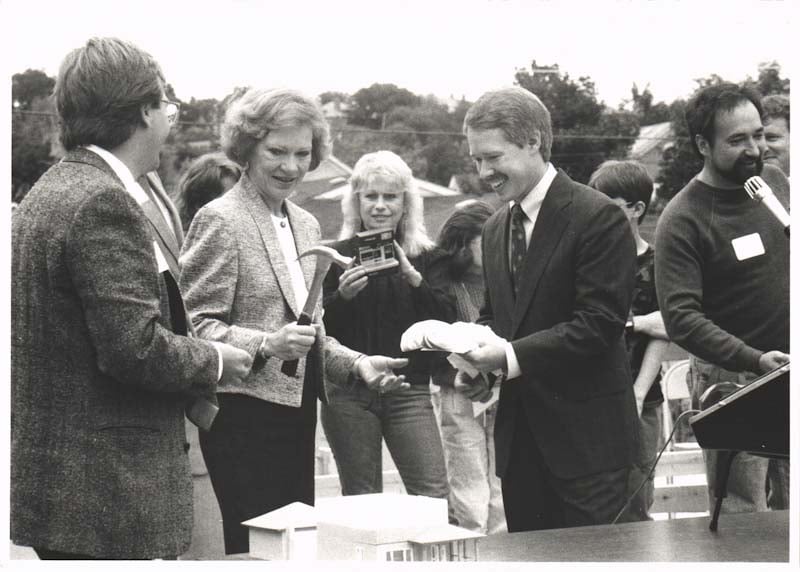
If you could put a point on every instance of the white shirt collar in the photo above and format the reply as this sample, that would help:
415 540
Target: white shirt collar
121 170
533 200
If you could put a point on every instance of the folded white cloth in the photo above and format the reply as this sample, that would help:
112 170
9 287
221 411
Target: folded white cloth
435 335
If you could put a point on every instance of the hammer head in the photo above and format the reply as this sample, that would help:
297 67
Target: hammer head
327 255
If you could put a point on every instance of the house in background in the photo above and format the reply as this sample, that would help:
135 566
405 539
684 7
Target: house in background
649 147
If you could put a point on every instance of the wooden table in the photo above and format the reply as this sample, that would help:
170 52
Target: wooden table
752 537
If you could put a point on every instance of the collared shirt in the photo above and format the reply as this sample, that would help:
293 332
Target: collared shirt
135 190
531 204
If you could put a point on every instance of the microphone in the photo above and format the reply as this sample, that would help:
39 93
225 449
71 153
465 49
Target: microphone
759 191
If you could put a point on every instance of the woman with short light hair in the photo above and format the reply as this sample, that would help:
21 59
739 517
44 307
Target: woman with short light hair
369 313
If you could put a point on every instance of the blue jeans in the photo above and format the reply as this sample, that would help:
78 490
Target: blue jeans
476 497
356 420
755 483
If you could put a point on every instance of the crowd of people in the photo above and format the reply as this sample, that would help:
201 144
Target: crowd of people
131 314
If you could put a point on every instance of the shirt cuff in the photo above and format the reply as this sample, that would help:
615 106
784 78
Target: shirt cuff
219 360
511 361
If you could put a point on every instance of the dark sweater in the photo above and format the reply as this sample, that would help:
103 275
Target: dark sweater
375 319
721 309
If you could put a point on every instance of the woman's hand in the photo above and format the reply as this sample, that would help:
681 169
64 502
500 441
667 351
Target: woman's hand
352 281
290 342
407 271
376 371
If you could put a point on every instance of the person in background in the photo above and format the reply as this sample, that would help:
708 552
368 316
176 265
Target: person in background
722 275
208 177
476 500
776 131
566 429
628 184
369 313
102 363
245 286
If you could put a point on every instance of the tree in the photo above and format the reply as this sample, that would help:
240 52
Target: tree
33 130
643 106
29 86
371 104
338 96
577 115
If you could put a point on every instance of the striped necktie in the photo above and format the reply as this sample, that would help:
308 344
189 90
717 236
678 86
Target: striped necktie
518 246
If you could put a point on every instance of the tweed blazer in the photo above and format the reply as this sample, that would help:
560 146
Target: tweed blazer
99 380
237 287
566 326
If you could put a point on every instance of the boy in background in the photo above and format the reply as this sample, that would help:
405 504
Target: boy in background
629 185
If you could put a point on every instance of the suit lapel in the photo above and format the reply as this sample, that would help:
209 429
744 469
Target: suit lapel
161 193
496 241
550 225
162 232
263 219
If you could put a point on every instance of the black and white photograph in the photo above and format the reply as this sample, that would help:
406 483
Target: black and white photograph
349 283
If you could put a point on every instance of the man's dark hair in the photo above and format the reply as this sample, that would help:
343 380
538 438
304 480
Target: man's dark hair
628 180
100 91
458 232
707 102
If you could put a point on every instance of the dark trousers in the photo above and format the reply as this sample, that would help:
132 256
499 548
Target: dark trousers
535 499
260 457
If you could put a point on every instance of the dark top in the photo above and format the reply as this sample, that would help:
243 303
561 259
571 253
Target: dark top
375 319
722 306
644 302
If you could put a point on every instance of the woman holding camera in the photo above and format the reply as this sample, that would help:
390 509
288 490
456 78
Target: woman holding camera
369 313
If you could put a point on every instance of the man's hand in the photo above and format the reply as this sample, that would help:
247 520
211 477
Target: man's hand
770 360
376 371
477 388
236 363
651 325
487 358
290 342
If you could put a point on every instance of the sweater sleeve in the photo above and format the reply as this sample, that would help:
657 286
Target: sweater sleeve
679 287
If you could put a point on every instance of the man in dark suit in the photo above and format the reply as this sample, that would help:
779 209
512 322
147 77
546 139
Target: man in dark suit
559 263
101 373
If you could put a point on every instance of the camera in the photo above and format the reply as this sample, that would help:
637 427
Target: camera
375 251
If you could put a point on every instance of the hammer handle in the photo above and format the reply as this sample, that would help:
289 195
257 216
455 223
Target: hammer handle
290 367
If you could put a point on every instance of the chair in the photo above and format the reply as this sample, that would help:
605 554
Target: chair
674 387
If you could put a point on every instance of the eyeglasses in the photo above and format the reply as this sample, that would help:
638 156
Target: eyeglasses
171 110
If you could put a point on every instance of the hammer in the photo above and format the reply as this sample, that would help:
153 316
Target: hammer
325 256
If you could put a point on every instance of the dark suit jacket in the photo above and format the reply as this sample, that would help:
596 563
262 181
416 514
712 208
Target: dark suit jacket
99 380
575 391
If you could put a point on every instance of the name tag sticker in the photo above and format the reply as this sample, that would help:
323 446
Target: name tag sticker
160 260
748 246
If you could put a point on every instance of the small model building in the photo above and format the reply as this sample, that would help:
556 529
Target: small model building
384 526
391 527
288 533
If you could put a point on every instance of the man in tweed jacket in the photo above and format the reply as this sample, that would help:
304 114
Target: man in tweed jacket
100 375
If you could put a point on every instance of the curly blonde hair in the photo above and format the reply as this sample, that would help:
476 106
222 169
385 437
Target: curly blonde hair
410 232
256 112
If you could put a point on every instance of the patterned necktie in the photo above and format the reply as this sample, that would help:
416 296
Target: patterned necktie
518 246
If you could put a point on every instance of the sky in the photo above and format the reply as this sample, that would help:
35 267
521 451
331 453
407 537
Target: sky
446 47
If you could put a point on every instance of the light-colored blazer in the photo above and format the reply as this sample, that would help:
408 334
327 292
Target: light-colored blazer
237 287
99 381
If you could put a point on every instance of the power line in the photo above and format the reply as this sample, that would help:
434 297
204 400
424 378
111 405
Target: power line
336 131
